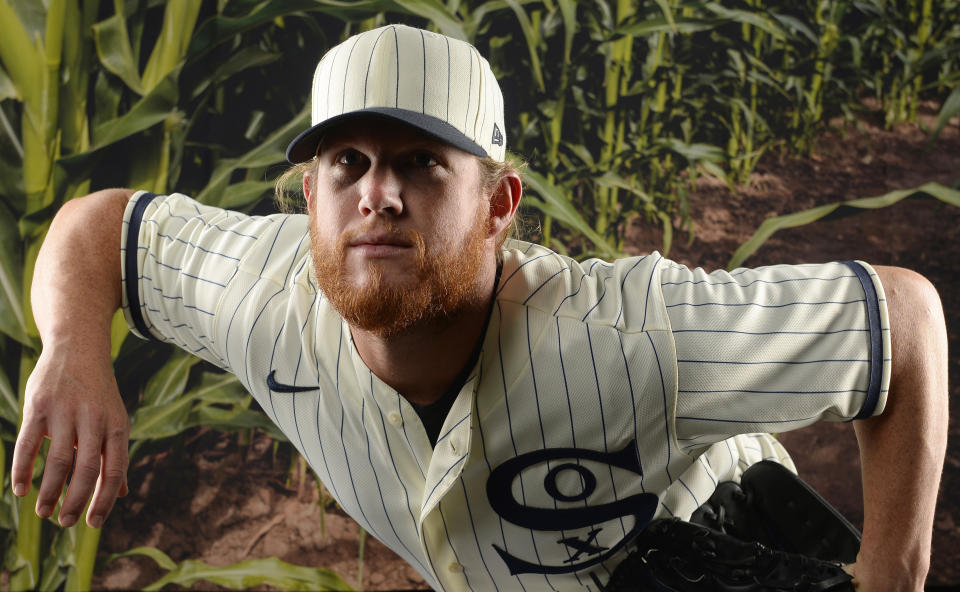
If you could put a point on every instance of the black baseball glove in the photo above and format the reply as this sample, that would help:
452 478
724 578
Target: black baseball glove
770 532
677 556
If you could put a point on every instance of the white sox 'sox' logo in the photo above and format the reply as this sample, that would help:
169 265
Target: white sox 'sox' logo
499 491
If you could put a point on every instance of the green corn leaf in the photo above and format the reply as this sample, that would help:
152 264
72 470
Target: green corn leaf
118 333
160 421
216 30
738 64
667 224
247 57
245 193
179 19
613 180
760 21
107 91
12 320
716 172
145 113
771 225
664 6
162 559
168 383
695 152
9 405
583 153
152 109
532 42
116 55
216 388
221 402
6 501
554 203
798 25
439 15
254 572
568 10
25 568
950 109
23 60
148 166
270 151
32 14
663 25
242 575
231 420
7 88
60 556
83 557
74 83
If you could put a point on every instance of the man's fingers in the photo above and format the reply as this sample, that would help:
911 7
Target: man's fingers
113 477
24 453
58 465
85 473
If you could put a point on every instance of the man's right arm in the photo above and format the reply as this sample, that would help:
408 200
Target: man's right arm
72 396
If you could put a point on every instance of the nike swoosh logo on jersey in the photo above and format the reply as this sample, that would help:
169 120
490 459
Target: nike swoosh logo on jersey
277 387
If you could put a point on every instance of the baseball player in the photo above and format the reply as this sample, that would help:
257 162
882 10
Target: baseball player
501 416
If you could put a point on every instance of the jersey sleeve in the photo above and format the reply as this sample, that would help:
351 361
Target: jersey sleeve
180 259
776 348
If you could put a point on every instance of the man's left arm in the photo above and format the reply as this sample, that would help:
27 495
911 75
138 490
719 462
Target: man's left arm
902 450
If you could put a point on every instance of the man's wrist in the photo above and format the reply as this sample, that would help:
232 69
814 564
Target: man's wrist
895 571
89 346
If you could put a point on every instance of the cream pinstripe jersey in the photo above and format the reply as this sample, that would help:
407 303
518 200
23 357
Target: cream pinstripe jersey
606 394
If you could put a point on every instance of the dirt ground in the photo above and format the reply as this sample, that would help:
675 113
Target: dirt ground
220 502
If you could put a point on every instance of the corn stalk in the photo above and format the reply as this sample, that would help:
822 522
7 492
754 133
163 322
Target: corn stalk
616 76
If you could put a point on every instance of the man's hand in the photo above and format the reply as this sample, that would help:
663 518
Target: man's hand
76 405
72 396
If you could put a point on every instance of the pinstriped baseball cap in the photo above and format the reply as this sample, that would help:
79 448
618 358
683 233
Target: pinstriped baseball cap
440 85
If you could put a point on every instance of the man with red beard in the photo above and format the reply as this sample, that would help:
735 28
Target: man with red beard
501 416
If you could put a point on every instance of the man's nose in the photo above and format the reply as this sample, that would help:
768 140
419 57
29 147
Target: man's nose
380 191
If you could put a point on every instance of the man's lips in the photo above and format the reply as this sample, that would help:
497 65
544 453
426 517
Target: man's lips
375 244
387 240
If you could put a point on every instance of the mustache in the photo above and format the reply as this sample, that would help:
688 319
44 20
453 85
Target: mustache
383 233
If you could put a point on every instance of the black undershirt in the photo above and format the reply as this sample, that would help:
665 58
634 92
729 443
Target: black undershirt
433 414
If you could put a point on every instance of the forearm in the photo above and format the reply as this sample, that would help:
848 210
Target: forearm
76 285
71 395
902 450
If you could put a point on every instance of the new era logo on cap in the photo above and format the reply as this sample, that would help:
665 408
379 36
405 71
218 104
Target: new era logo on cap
438 84
497 136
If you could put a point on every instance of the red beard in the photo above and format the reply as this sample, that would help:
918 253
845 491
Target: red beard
445 281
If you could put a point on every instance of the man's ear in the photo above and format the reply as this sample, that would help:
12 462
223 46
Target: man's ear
308 185
504 202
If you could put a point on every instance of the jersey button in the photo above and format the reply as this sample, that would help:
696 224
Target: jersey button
455 567
395 418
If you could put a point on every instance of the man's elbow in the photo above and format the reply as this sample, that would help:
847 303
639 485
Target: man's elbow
912 301
918 333
114 198
100 212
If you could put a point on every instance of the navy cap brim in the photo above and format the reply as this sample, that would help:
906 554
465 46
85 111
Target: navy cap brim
304 146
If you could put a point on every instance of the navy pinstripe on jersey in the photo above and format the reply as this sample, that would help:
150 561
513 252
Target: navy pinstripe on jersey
605 393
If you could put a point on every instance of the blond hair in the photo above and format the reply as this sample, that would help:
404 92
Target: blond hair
288 189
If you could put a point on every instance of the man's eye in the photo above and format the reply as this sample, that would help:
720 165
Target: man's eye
424 159
349 157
